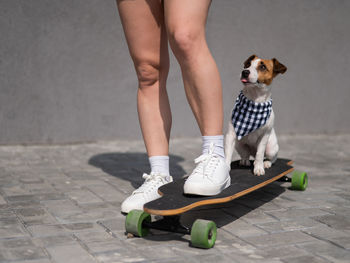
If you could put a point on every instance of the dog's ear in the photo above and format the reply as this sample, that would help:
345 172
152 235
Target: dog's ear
248 61
278 67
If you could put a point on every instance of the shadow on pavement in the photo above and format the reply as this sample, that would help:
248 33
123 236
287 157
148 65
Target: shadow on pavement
130 166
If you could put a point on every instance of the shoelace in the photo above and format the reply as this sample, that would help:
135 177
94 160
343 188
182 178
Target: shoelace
207 162
152 180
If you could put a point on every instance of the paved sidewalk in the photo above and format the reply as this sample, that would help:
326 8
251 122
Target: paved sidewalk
62 204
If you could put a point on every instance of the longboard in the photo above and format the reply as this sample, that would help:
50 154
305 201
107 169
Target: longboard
174 202
243 181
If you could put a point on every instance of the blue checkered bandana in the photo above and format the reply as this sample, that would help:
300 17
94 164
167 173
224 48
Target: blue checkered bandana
247 115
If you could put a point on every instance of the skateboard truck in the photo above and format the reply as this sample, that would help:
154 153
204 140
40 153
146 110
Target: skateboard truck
285 179
168 223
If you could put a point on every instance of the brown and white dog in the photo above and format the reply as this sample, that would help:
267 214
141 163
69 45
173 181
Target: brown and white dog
261 143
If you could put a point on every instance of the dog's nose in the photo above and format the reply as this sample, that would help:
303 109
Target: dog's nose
245 73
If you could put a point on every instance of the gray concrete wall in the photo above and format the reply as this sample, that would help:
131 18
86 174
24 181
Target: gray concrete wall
66 75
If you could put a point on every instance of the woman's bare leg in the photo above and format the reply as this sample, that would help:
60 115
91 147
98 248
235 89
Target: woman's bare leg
143 23
185 21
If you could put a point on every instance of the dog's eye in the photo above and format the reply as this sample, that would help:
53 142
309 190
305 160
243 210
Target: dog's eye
262 67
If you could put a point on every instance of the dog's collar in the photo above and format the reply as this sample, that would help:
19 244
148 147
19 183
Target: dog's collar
247 115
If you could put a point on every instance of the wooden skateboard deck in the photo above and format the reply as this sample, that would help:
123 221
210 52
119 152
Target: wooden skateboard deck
243 181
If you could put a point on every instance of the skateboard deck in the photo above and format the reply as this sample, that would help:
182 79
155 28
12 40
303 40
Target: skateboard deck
243 181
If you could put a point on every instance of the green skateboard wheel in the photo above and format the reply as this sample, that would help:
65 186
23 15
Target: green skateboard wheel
299 180
133 223
203 233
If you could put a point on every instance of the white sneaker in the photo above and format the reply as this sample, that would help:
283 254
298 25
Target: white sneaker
210 176
147 192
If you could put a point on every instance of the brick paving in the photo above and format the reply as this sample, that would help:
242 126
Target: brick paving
61 203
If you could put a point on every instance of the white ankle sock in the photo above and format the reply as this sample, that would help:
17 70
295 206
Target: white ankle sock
218 140
159 164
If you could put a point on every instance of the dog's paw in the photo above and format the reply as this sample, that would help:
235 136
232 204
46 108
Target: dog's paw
244 162
267 164
259 168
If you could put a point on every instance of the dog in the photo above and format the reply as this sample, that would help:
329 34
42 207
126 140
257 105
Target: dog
250 130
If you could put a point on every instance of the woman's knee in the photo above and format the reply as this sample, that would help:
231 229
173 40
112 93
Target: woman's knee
184 41
149 74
